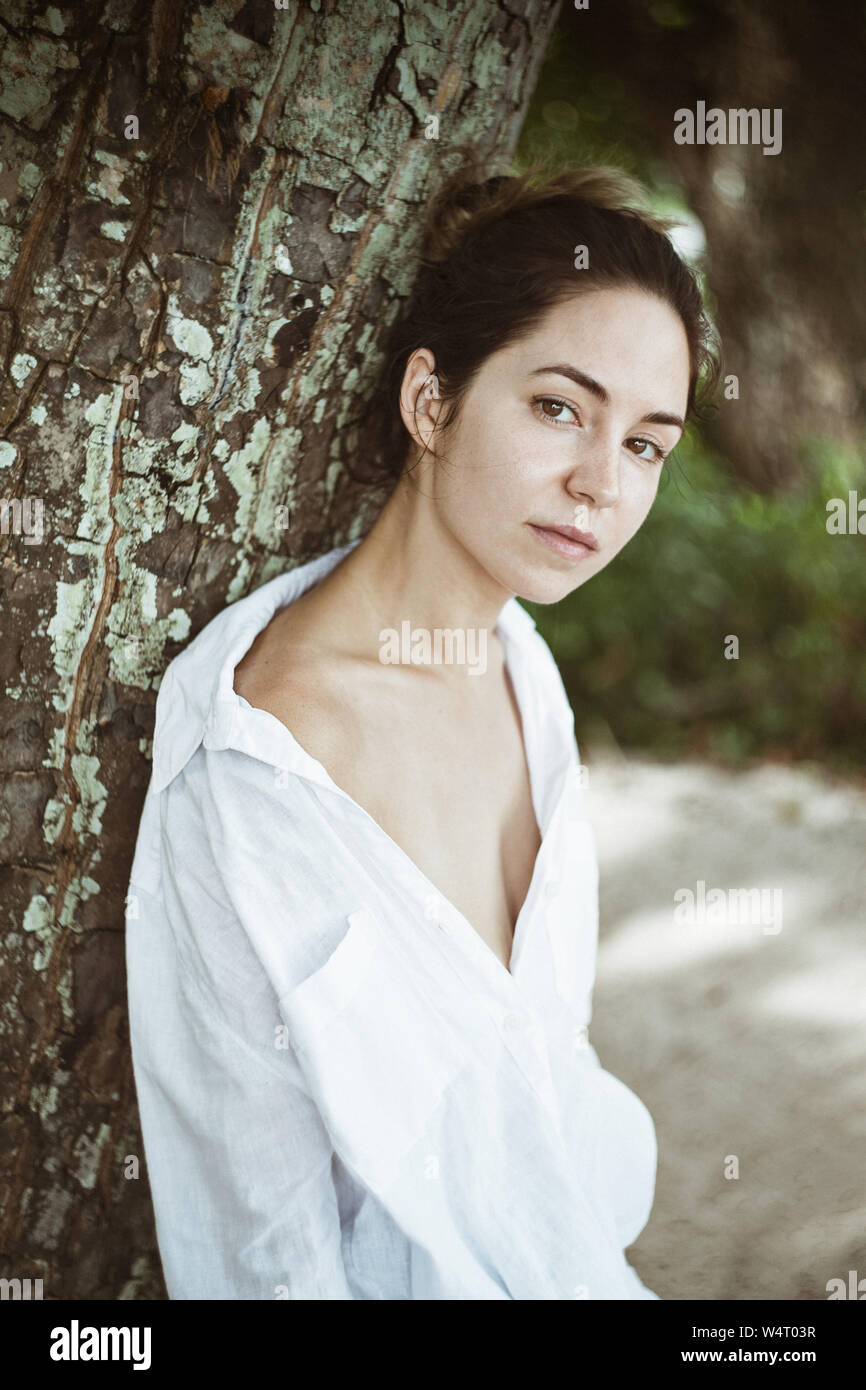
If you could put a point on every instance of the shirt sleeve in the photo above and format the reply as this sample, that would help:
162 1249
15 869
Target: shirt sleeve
238 1158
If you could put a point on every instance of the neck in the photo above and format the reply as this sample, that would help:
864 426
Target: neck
409 568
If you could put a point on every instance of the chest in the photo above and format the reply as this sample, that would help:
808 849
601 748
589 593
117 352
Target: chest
454 794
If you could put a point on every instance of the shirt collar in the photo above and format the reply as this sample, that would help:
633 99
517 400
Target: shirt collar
197 702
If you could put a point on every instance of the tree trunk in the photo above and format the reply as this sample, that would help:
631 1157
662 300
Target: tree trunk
211 213
785 258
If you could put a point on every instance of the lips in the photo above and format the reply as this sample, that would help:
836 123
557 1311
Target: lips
571 533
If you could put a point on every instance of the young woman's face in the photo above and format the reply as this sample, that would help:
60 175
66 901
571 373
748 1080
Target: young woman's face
536 448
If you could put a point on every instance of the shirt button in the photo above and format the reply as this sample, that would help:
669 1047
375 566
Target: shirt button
551 888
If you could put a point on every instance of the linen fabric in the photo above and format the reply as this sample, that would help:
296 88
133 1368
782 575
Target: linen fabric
343 1092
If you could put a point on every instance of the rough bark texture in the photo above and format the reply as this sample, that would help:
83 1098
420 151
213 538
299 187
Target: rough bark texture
191 312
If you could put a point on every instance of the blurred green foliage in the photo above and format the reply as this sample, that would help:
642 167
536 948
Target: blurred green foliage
641 647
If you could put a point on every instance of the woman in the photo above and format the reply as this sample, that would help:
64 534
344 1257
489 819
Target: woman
362 944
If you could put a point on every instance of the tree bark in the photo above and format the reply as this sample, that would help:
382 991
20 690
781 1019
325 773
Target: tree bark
210 215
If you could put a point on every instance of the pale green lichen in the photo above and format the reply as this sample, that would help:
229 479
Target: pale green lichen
186 436
88 1152
106 187
114 231
39 919
349 383
135 636
147 596
93 796
196 382
65 988
190 502
21 366
43 1100
141 509
8 453
29 179
38 414
141 1273
177 624
52 819
238 585
407 83
193 339
335 468
241 473
190 337
246 393
357 527
103 413
274 327
54 750
10 241
250 275
342 224
364 339
314 381
68 633
277 495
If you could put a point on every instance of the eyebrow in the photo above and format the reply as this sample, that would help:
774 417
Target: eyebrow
595 388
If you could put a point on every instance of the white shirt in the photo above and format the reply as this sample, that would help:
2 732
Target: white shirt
343 1092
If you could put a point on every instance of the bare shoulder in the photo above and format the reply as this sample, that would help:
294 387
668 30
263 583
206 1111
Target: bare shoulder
316 692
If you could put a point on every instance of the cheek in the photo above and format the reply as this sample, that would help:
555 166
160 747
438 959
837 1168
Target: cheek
490 455
638 497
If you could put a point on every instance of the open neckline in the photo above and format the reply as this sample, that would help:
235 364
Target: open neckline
528 735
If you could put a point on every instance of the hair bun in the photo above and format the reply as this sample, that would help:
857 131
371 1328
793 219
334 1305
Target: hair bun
469 199
457 209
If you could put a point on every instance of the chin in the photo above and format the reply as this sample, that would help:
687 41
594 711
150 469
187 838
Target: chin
545 588
538 583
536 579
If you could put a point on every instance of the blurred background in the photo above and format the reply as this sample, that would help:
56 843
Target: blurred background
747 772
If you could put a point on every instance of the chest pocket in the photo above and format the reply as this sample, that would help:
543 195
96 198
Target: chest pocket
366 1038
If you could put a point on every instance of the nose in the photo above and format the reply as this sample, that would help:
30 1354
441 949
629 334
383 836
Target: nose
596 478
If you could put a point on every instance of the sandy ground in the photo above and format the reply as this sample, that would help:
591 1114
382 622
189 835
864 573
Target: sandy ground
742 1042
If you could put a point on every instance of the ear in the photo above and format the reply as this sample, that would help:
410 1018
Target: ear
420 401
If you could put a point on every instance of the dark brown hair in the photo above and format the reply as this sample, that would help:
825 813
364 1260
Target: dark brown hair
498 253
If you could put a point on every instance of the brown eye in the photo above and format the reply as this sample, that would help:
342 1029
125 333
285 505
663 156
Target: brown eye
551 408
657 456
